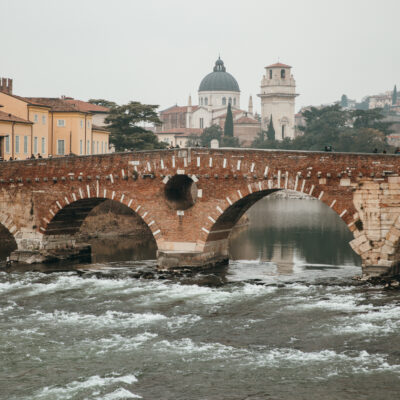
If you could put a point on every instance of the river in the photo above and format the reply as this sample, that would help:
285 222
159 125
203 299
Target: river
284 321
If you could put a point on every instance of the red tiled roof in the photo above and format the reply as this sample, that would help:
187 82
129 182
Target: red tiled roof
246 120
278 65
25 99
177 109
87 107
56 104
234 113
99 128
12 118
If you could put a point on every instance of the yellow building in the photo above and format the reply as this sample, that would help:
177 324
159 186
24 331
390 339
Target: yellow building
14 133
48 126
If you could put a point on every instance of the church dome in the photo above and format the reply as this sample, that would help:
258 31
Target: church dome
219 80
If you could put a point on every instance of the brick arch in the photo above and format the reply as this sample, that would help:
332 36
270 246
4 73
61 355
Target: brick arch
7 221
90 196
219 223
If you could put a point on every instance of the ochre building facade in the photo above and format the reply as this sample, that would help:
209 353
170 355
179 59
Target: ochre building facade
33 126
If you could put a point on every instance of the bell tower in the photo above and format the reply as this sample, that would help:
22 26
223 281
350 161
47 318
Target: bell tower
278 93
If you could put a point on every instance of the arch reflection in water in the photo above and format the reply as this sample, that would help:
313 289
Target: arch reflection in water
283 230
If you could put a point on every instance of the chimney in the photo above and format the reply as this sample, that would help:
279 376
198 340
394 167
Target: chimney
6 85
251 105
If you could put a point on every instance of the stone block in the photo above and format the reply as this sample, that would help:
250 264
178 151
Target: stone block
358 241
387 249
393 235
370 186
384 262
394 179
364 247
374 235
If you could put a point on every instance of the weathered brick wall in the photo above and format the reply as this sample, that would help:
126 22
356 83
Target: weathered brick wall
364 190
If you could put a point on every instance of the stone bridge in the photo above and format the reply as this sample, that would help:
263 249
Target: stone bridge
191 198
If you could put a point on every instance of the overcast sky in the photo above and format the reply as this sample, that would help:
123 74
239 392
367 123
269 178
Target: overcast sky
157 51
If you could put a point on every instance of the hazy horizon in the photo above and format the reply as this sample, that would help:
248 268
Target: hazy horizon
158 51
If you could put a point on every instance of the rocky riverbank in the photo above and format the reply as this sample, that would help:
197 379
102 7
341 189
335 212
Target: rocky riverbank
111 219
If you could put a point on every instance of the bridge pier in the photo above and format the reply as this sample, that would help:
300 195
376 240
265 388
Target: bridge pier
208 255
34 247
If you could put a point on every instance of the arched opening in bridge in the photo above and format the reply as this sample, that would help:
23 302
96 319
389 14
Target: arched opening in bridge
7 243
180 192
114 231
287 230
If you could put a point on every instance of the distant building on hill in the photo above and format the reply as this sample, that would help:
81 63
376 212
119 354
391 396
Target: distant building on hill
386 100
217 89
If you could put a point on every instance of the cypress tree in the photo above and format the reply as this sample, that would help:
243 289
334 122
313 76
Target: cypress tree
228 128
394 96
271 130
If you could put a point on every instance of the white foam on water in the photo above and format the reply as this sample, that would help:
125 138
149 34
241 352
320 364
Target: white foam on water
27 286
109 318
379 320
9 286
11 305
177 323
116 343
120 394
73 388
25 332
367 329
167 293
382 313
203 351
336 302
326 360
90 285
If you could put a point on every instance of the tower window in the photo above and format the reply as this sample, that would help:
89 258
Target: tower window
283 73
283 131
201 122
206 101
234 101
224 101
270 74
230 100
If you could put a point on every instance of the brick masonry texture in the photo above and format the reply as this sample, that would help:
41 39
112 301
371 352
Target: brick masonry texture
363 189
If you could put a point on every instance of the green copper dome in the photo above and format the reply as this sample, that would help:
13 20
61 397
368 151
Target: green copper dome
219 80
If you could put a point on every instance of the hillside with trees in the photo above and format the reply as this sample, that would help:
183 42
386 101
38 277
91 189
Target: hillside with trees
343 130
